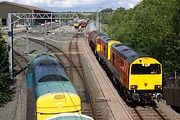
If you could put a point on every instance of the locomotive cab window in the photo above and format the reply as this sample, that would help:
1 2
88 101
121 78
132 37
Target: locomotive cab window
52 78
146 69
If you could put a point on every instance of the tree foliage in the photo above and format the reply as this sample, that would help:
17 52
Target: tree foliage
5 82
153 28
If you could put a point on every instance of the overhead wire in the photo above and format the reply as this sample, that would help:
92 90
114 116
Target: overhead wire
68 94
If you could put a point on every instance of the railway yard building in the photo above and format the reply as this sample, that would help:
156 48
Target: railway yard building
10 7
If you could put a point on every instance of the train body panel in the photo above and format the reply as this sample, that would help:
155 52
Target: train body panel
171 91
53 91
57 103
91 38
102 47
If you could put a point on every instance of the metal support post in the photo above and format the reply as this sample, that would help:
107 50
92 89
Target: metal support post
60 28
27 42
45 33
27 34
10 45
51 21
100 29
97 20
0 25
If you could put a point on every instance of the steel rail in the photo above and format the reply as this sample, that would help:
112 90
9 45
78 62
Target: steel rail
19 98
51 47
86 84
157 114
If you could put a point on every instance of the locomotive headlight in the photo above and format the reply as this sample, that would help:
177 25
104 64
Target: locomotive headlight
158 87
134 87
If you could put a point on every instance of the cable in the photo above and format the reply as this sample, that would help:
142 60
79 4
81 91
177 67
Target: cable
68 94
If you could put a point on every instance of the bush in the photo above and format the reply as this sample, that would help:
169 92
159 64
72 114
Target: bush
5 81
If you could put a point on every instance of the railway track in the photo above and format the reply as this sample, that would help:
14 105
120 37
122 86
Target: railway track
88 106
147 113
90 109
21 62
75 65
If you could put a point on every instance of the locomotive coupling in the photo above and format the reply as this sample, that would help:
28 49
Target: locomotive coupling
135 96
158 96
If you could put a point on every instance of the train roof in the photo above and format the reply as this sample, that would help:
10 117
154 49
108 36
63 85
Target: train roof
54 87
106 39
47 68
44 59
126 52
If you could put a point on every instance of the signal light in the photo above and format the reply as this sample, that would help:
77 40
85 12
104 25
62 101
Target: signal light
134 87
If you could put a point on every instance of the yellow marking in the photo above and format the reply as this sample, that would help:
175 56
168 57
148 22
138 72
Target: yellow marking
109 47
54 103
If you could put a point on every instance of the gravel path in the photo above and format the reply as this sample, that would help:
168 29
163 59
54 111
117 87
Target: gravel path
173 115
13 110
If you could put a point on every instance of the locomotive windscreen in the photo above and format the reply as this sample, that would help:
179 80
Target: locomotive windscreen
52 78
146 69
43 70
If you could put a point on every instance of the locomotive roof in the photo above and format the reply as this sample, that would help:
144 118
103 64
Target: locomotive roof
126 52
44 59
47 68
50 76
105 39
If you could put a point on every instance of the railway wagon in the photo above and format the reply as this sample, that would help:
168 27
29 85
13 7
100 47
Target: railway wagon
138 76
171 92
53 92
76 25
70 116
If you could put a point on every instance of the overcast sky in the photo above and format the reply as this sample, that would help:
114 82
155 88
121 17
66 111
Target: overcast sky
78 5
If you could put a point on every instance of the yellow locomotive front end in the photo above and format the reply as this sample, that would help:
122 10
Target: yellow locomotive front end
145 76
55 103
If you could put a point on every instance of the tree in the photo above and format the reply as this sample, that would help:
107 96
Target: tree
152 27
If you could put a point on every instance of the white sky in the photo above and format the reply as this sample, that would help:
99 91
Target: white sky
78 5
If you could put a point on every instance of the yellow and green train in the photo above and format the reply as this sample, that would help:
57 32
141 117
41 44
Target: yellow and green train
54 93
